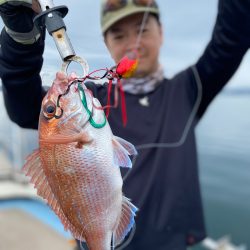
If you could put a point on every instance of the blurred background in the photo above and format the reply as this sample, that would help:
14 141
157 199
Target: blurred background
223 135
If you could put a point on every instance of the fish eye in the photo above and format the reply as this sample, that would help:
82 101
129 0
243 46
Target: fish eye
49 110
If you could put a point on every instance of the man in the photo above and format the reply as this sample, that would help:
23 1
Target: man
162 113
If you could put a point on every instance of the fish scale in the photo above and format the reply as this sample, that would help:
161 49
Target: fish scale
76 168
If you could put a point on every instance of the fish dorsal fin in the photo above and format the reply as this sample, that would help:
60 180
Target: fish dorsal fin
126 221
121 154
33 169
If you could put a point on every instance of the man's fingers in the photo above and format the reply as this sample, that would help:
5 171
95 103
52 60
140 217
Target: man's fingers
34 4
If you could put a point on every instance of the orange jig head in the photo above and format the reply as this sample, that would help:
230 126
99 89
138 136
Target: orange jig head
127 65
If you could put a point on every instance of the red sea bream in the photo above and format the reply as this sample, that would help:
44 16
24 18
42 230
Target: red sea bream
76 168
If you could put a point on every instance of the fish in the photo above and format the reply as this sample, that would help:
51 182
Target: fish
76 168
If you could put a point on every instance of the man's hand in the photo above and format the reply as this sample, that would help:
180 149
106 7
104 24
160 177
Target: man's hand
17 16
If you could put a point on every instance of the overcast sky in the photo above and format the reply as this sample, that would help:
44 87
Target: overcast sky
187 30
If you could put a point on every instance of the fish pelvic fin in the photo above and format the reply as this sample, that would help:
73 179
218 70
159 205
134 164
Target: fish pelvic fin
33 169
122 150
126 222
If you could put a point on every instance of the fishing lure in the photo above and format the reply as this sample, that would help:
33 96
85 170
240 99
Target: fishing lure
124 69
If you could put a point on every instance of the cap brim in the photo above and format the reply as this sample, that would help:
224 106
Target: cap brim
118 15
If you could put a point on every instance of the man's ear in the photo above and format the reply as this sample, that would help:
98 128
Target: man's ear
107 44
161 34
105 40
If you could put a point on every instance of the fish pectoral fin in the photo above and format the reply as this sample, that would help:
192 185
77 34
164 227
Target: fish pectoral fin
126 221
122 150
33 168
120 155
127 145
82 138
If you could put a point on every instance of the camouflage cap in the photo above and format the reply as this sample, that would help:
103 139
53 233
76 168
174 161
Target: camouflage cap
128 7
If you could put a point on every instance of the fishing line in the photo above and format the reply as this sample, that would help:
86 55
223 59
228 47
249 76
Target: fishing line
176 144
193 113
187 127
90 113
143 24
110 75
127 241
182 138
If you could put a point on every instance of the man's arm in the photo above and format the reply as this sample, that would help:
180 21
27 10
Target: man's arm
224 53
21 62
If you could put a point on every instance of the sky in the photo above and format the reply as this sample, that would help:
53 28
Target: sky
187 29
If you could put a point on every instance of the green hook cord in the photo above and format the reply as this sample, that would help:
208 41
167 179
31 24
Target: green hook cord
84 102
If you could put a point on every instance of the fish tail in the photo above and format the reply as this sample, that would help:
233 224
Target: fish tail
126 222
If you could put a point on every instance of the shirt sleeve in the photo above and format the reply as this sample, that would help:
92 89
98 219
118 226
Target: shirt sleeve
21 81
225 51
